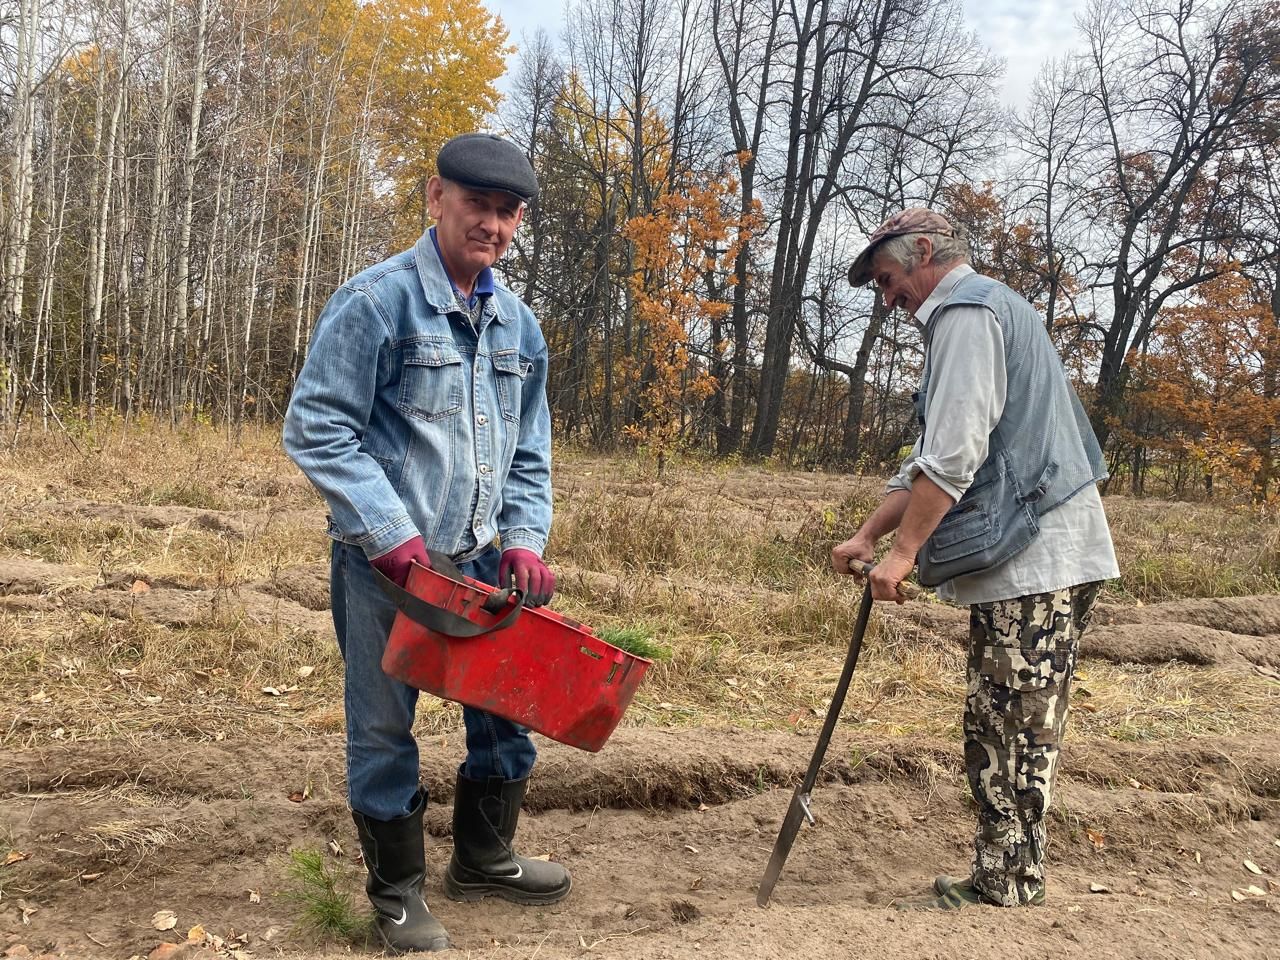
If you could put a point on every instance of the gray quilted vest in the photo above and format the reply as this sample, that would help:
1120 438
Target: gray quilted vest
1041 454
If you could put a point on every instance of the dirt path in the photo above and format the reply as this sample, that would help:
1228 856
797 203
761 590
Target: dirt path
666 833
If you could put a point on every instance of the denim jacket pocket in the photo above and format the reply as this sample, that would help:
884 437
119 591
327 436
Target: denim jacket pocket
433 383
511 369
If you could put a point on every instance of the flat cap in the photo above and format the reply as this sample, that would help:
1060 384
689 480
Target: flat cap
483 161
911 220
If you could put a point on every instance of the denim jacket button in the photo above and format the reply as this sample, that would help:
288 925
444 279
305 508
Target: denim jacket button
484 468
482 419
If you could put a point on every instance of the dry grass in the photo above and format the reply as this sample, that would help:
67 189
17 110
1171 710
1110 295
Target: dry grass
724 564
1169 550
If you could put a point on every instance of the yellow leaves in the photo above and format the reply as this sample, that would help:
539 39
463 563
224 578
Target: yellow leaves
434 65
401 76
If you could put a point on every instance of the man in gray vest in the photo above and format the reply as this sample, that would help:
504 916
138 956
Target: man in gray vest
998 505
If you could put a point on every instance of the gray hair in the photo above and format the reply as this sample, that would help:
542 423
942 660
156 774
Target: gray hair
902 249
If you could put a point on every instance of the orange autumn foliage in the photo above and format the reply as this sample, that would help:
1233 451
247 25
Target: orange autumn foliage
688 236
1201 394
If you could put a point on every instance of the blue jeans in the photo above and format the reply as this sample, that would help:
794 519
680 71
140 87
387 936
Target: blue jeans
382 754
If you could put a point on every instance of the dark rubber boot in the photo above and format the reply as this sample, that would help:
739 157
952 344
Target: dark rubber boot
485 814
397 864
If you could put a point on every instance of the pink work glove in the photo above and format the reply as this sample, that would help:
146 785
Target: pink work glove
526 571
395 564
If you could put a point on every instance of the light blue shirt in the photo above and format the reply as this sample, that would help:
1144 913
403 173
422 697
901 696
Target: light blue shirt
965 401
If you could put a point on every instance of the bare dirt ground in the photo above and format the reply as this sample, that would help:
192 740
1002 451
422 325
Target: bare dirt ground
172 730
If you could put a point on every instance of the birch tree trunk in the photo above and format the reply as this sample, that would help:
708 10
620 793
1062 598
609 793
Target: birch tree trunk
16 212
181 293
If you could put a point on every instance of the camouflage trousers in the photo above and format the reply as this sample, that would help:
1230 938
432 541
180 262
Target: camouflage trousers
1022 654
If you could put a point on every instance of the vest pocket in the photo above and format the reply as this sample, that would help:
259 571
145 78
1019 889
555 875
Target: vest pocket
988 525
961 532
432 382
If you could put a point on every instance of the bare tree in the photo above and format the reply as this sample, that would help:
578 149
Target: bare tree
1172 91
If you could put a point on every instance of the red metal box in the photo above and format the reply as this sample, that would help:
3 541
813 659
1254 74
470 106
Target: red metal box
541 670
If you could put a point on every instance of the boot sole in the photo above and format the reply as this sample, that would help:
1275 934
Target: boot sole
471 892
436 946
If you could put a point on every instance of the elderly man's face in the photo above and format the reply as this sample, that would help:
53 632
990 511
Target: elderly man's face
905 287
473 227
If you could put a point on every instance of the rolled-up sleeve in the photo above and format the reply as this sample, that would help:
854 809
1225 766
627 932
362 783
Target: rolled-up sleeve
964 402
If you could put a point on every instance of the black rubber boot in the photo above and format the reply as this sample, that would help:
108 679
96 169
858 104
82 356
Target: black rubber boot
397 864
485 814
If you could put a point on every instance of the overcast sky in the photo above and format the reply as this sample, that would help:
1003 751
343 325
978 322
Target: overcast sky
1024 33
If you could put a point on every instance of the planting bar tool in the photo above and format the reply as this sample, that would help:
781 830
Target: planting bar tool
799 810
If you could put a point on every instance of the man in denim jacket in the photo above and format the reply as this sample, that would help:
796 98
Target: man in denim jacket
998 506
421 417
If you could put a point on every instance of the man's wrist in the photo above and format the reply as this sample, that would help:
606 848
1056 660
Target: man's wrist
900 551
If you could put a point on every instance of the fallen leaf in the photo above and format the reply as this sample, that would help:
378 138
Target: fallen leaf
1072 908
40 697
140 587
1096 837
87 877
255 897
1099 888
271 691
542 856
703 808
305 672
1255 890
270 933
164 920
196 934
15 856
697 882
297 796
241 955
335 847
1237 896
1135 784
167 950
1198 856
27 911
691 848
1253 867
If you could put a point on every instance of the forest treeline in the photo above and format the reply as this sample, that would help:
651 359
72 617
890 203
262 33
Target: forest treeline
185 182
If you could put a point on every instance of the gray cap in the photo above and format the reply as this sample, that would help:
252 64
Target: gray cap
483 161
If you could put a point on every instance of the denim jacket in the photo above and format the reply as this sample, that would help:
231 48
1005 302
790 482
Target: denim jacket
409 421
